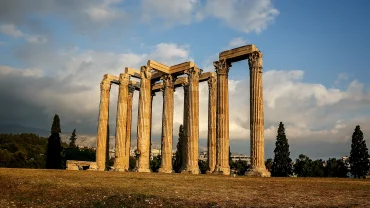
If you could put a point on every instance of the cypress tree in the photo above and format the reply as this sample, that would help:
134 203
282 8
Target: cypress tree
177 162
282 165
73 139
54 147
359 155
55 127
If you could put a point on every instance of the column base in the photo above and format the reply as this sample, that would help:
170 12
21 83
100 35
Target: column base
222 171
120 169
192 170
143 170
165 170
258 172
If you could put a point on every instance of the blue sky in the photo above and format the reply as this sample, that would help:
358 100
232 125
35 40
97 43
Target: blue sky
316 59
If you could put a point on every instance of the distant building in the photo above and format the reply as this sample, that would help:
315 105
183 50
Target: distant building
155 153
241 157
203 156
112 153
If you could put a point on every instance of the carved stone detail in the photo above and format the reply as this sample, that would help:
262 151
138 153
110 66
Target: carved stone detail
255 61
222 67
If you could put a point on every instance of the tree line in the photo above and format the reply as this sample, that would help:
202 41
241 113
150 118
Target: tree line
282 166
32 151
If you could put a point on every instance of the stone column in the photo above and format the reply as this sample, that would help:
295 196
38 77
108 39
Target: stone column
211 141
167 124
222 117
131 90
256 116
143 135
151 124
101 146
184 141
193 122
121 124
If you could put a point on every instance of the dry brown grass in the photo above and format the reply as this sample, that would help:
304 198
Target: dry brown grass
61 188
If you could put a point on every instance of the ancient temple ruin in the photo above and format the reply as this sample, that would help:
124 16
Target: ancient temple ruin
155 77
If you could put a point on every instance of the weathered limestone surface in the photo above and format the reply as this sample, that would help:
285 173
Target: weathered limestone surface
167 124
144 120
222 117
238 54
121 124
256 116
185 138
131 90
101 146
193 122
211 142
151 123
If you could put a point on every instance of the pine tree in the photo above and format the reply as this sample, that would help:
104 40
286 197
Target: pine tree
359 155
73 139
177 162
282 165
54 147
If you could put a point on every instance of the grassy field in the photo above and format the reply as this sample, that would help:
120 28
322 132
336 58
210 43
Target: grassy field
61 188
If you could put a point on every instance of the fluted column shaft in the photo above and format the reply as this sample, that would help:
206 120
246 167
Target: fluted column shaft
167 124
256 110
222 117
185 136
144 120
211 141
121 123
131 90
101 146
193 122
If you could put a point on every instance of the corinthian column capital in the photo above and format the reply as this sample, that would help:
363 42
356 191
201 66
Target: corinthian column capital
105 85
193 73
222 67
145 72
255 60
168 81
211 81
124 79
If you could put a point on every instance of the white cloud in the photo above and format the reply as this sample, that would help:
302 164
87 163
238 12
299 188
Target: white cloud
11 30
104 11
6 70
237 42
242 15
170 53
171 11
